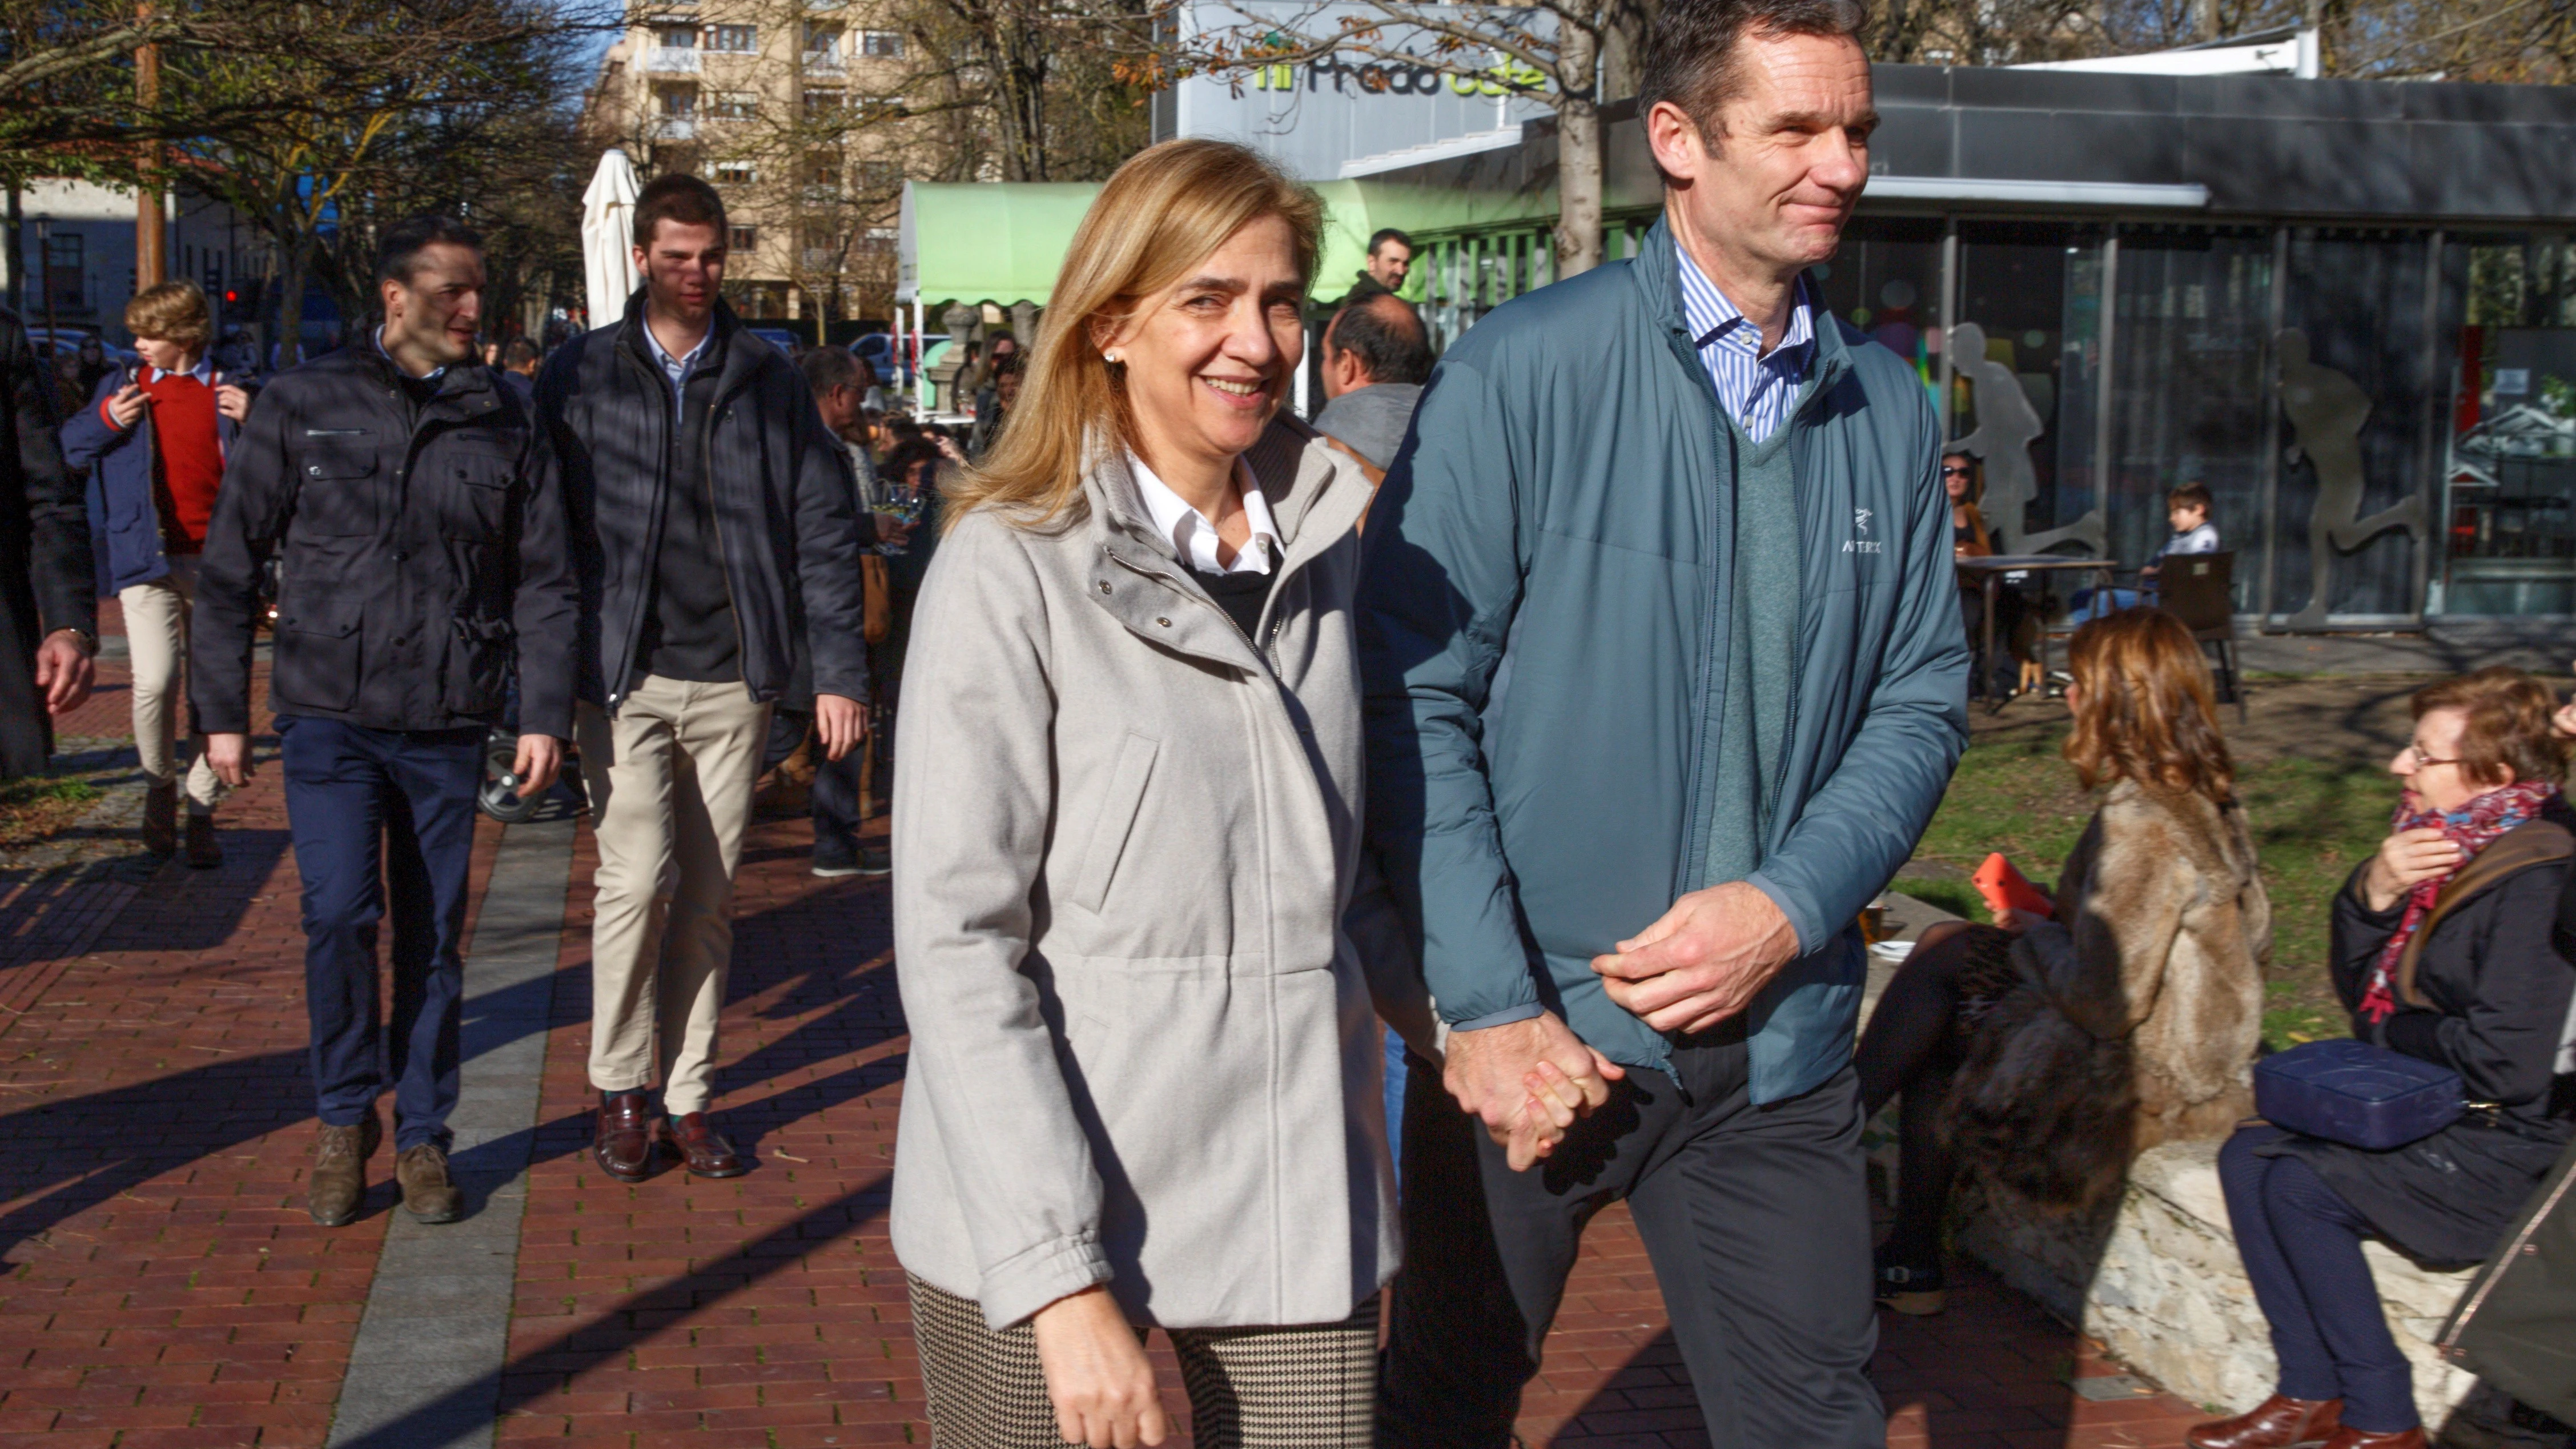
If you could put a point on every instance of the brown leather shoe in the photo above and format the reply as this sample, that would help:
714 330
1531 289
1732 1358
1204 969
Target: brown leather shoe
338 1181
203 853
428 1193
624 1144
161 818
2359 1439
696 1141
2279 1422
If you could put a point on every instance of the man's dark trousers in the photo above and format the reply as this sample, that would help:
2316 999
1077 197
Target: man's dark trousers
835 791
377 811
1755 1218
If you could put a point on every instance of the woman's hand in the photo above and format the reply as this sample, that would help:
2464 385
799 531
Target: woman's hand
2563 723
2016 920
1096 1373
2406 860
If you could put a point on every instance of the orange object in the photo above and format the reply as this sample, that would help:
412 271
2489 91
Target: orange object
2005 889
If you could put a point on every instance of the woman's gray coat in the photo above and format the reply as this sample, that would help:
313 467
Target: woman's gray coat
1143 1049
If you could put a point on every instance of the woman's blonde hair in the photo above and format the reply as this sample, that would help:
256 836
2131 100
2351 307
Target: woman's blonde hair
2146 712
1160 215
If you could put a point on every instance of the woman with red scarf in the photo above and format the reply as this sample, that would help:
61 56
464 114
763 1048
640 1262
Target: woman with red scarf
2484 992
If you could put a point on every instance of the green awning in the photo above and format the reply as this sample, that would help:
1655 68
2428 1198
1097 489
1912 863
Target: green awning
976 242
1002 242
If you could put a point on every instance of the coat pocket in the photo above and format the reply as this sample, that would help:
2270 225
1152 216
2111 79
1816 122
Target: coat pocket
336 492
1115 820
478 665
317 660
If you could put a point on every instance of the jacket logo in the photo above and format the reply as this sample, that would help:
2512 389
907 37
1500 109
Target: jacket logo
1861 542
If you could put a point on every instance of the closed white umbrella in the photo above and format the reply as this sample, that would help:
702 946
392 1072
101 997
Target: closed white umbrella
608 237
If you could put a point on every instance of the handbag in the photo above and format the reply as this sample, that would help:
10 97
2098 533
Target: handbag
2357 1094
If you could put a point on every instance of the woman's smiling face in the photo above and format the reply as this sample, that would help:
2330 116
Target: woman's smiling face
1210 359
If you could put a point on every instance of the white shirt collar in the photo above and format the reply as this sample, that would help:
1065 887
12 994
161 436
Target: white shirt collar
203 372
1193 534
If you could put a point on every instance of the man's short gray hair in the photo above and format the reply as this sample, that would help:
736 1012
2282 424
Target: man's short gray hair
829 367
1692 59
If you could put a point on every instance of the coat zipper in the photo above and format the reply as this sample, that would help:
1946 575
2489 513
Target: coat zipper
2459 1324
613 684
715 520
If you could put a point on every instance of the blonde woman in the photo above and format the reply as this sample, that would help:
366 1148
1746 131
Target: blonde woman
1143 1083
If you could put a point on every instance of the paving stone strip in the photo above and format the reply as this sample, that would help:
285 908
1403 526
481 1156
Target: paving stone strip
425 1371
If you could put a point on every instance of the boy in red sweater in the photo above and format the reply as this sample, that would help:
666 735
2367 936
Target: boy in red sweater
155 438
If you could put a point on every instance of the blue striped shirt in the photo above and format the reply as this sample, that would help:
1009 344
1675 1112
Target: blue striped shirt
1755 390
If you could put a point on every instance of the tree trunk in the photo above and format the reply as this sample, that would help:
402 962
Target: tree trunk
17 263
290 304
1578 184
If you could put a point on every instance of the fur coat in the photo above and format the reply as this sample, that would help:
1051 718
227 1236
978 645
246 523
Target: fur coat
2139 1007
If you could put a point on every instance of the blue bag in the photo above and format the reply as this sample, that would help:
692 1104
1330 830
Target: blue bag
2356 1094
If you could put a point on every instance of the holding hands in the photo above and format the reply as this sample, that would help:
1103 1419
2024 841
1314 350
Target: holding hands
1528 1081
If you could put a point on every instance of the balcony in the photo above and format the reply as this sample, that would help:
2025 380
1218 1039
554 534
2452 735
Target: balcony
671 60
824 60
675 128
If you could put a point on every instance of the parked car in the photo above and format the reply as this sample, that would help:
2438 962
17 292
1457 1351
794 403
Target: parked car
63 341
877 350
788 342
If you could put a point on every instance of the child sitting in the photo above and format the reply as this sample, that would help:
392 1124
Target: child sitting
2187 509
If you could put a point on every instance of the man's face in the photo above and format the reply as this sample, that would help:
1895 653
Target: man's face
683 269
438 311
1389 263
839 405
1775 188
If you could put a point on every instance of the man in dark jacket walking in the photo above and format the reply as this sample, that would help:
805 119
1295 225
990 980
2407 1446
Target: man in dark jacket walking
712 528
413 507
48 610
1664 679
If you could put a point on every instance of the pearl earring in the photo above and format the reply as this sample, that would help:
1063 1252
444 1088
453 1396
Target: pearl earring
1112 358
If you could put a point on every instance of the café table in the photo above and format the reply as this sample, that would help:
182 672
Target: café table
1988 573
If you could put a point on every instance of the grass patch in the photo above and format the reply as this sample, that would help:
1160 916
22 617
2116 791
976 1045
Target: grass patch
1955 896
34 807
2313 820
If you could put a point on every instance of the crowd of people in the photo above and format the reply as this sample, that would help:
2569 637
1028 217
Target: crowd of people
1330 860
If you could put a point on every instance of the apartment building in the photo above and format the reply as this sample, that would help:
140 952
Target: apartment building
794 110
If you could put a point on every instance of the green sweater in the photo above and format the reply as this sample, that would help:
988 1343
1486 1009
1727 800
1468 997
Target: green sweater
1753 723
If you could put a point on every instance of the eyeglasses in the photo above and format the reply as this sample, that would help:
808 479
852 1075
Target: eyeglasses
2422 759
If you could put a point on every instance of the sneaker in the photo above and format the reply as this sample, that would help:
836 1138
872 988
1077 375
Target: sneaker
1913 1290
834 859
428 1193
876 860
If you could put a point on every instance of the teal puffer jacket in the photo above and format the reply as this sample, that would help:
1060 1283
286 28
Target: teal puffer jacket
1543 638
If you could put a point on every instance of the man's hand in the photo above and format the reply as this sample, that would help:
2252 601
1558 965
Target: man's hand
126 405
233 401
893 528
539 760
64 672
1705 961
1527 1080
1096 1373
840 722
229 757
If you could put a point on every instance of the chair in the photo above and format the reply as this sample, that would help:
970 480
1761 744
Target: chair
2199 589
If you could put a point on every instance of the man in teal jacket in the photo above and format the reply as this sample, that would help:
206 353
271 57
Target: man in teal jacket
1665 678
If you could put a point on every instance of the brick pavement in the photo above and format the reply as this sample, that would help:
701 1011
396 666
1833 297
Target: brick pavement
164 1288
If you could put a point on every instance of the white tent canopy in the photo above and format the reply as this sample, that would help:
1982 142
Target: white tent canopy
607 237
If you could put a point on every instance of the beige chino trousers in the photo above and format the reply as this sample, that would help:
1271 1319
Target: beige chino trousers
156 636
670 781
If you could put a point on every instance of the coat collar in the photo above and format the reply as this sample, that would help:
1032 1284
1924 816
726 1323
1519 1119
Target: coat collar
1315 495
740 352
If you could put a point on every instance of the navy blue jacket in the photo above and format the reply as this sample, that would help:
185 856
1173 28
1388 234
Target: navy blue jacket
1544 633
124 515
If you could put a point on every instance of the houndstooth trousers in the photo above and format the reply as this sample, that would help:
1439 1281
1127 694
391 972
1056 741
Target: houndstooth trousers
1308 1387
